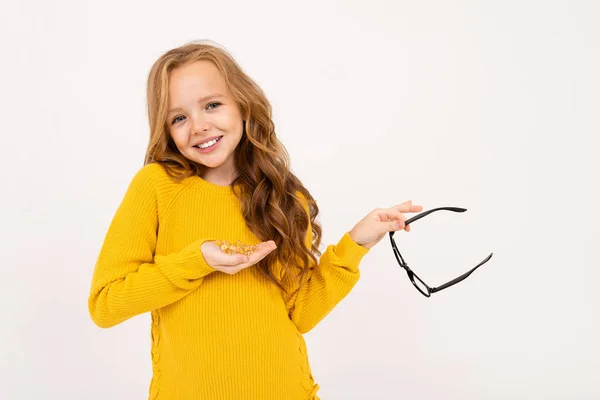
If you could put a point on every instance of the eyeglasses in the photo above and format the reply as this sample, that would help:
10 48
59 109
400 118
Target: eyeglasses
421 286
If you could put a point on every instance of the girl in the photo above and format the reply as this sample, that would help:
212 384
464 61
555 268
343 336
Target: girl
224 326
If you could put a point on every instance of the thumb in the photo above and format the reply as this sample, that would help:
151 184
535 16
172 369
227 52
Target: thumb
395 225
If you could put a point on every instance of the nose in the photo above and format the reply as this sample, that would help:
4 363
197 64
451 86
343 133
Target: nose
201 124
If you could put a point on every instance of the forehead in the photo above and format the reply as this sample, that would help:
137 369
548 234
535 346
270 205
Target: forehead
193 80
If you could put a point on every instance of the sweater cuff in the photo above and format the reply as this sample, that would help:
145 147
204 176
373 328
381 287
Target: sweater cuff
349 252
185 265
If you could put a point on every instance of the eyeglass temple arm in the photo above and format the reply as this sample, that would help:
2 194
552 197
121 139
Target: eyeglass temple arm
460 278
417 217
425 213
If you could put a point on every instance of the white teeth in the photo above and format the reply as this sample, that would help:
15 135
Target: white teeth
205 145
208 144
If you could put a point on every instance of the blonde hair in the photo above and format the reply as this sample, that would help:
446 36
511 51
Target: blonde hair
267 186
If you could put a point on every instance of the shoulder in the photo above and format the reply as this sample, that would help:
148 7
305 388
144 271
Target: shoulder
150 171
152 174
153 180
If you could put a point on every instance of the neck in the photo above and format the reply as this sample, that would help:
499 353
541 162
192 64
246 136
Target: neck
217 177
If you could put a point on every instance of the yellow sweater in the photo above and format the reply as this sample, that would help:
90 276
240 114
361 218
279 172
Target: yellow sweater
214 336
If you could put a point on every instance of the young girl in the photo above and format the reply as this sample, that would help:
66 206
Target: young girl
224 326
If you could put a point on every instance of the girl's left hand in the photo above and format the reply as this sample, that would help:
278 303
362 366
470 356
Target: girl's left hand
372 228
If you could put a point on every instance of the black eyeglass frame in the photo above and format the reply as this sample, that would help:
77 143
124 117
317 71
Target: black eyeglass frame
411 275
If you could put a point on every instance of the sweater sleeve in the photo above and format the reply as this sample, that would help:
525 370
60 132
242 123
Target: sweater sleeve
327 283
129 279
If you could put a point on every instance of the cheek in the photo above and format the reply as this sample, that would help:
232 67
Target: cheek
226 121
178 138
237 126
232 120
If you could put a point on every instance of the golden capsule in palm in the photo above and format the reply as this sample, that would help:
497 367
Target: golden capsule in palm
238 247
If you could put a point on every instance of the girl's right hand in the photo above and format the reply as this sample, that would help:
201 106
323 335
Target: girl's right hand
234 263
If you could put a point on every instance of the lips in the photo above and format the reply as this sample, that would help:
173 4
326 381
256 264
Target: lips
207 140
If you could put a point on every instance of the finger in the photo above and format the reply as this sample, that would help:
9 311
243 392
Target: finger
395 225
391 214
232 270
232 260
408 207
263 250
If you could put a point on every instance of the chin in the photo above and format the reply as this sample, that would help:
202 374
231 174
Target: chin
210 163
210 160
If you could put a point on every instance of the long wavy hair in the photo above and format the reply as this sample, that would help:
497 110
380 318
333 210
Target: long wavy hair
267 187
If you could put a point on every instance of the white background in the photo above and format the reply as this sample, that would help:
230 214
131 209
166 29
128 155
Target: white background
487 105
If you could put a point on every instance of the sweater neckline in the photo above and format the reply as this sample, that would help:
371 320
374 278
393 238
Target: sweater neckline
213 187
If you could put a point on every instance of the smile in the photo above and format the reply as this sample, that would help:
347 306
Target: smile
208 146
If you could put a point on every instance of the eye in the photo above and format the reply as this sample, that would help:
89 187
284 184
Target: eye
214 102
175 119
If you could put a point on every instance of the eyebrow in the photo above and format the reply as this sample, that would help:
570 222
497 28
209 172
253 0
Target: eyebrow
200 100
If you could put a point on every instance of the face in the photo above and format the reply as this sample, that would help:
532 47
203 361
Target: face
201 111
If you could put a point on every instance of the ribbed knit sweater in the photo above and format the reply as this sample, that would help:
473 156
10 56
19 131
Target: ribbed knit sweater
215 336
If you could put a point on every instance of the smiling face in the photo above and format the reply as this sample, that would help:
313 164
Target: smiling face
201 111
